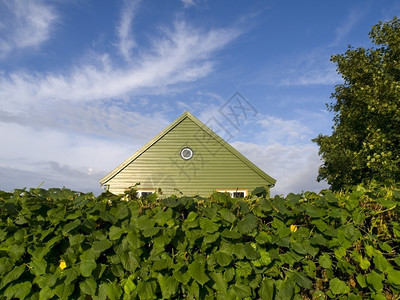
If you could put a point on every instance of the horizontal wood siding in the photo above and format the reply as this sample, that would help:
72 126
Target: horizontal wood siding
212 166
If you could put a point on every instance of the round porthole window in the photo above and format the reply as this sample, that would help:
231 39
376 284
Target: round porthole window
186 153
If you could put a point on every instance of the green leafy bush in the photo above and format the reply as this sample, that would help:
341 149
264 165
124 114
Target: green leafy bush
57 243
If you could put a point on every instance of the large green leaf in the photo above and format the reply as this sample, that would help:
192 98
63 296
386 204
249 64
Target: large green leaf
100 246
129 286
375 280
231 234
247 224
64 290
223 259
393 277
267 289
338 287
298 247
321 225
208 225
193 290
243 269
250 252
314 211
302 280
220 283
265 205
172 202
182 277
19 290
325 261
364 263
264 260
150 231
46 293
71 225
76 239
38 266
71 274
87 266
380 262
147 289
14 274
88 287
227 215
240 290
162 217
6 264
196 270
112 290
169 285
115 232
120 211
191 217
285 290
16 251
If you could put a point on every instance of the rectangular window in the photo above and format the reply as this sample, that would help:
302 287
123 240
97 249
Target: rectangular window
238 193
143 192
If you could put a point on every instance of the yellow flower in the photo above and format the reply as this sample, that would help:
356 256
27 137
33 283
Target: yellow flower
63 265
293 228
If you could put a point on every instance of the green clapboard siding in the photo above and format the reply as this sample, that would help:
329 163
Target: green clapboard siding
214 165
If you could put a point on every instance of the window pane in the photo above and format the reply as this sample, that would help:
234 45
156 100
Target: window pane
238 195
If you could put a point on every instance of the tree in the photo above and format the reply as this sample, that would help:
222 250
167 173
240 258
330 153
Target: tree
364 144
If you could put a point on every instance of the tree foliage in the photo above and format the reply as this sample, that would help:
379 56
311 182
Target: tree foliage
364 144
59 244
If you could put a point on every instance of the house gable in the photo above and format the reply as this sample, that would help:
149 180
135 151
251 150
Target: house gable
214 165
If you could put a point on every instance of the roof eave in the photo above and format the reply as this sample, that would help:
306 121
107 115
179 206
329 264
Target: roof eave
119 168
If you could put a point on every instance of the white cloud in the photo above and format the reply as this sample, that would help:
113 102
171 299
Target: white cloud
29 156
188 3
312 68
28 24
106 120
294 167
327 76
76 125
126 40
285 131
180 55
345 27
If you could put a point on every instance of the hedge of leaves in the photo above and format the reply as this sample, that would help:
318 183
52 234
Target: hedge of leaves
57 243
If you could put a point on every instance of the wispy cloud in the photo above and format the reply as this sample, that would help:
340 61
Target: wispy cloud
188 3
126 40
26 24
274 129
323 76
67 116
181 54
294 167
345 27
312 68
56 156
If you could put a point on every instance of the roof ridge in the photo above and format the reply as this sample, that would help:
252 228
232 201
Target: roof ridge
131 158
204 127
233 150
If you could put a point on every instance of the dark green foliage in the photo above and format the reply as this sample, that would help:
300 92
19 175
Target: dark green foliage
365 142
339 245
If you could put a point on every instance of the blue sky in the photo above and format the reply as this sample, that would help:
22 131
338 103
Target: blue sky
84 84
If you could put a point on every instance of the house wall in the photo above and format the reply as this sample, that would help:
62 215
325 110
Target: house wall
212 166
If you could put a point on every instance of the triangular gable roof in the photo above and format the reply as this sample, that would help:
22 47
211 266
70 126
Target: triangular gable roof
185 115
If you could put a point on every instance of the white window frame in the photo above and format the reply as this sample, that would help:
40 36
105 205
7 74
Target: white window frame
232 192
139 192
187 149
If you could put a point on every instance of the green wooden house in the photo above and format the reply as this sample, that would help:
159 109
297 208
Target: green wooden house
187 158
